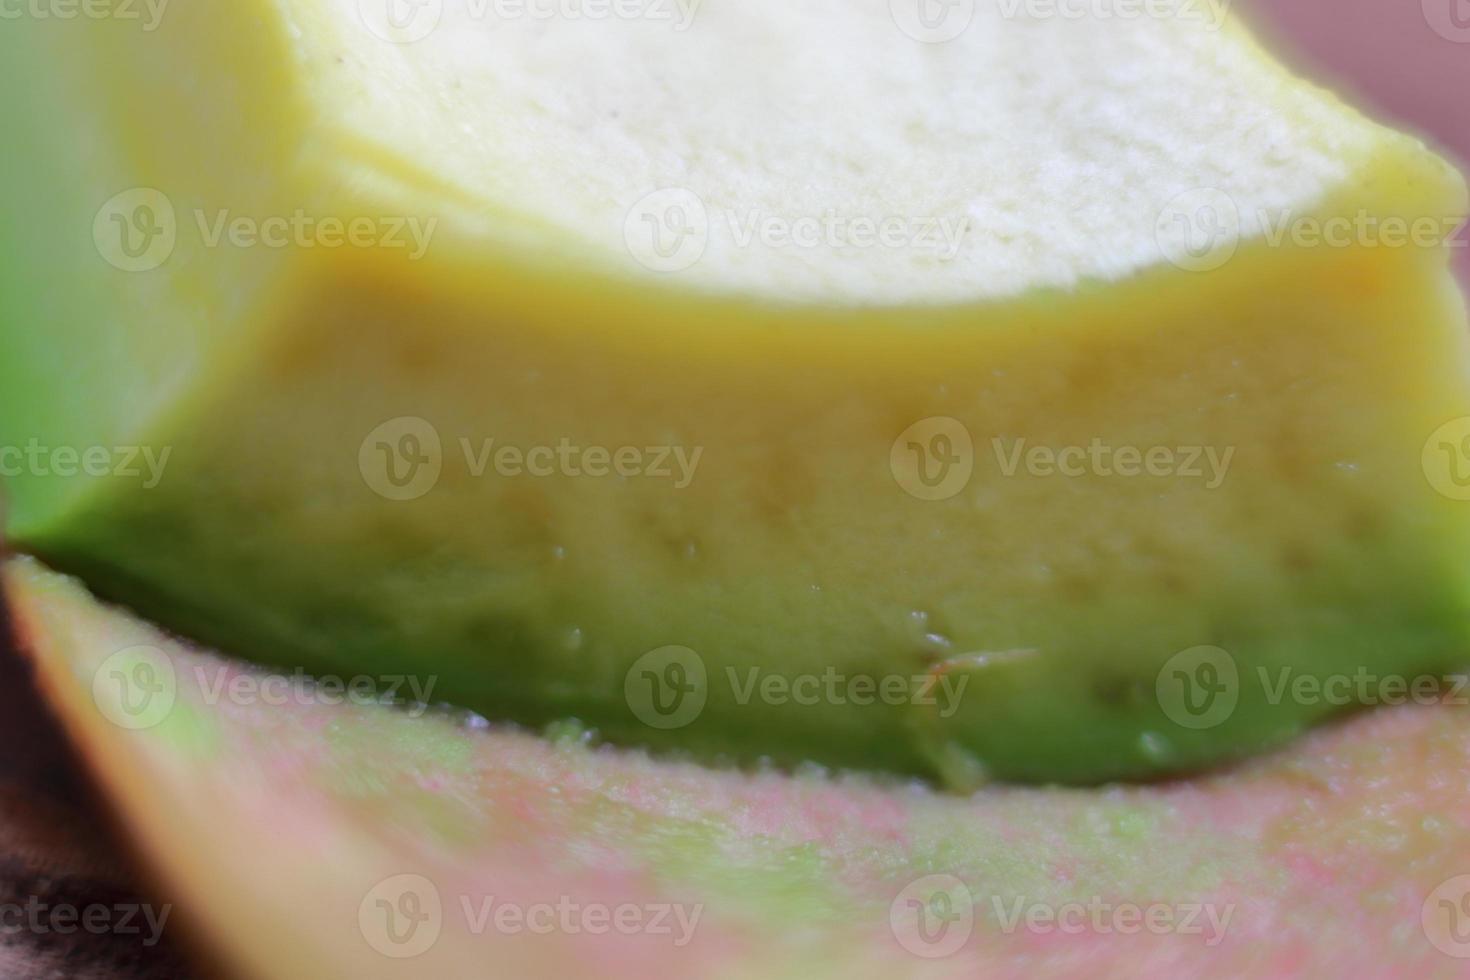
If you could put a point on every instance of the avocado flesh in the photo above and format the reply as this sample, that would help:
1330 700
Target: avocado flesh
283 819
794 551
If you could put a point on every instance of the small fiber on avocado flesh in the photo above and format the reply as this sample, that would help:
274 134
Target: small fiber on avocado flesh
306 821
835 504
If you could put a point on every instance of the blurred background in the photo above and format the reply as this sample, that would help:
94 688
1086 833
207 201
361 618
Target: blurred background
1405 61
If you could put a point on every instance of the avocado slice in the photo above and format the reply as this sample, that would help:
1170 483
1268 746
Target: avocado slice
802 385
286 826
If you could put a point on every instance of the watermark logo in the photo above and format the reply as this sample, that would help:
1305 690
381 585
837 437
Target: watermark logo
402 916
223 684
1199 230
668 230
1445 917
933 917
401 21
1282 226
137 230
667 688
678 14
1362 687
1209 13
301 229
404 458
1207 464
677 464
941 690
1202 229
41 918
932 21
135 688
1450 19
1446 459
1199 688
1099 917
569 917
147 13
142 463
933 459
401 459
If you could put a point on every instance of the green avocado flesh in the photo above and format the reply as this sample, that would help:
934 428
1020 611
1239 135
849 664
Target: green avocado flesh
288 828
478 357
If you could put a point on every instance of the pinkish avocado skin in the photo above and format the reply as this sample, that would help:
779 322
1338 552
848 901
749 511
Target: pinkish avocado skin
273 813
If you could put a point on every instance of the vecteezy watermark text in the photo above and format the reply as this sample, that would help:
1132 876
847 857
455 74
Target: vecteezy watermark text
137 688
42 918
1098 458
668 688
144 463
138 230
670 230
933 917
411 21
403 916
1201 687
148 14
404 458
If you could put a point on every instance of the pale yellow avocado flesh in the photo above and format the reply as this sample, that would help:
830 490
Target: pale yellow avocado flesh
1028 619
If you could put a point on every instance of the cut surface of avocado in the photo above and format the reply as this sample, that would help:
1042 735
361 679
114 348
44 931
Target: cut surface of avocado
498 353
361 841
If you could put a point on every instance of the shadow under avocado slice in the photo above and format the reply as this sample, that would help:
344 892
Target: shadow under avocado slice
306 838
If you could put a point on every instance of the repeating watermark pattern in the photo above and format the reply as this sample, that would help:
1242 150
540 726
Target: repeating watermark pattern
933 459
221 685
404 458
401 917
667 230
1446 459
144 464
1209 14
939 690
1208 464
147 14
1200 230
1100 917
138 230
932 21
668 688
1200 688
404 916
1445 917
670 230
933 917
410 21
940 21
1450 19
42 918
138 687
1363 687
401 21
